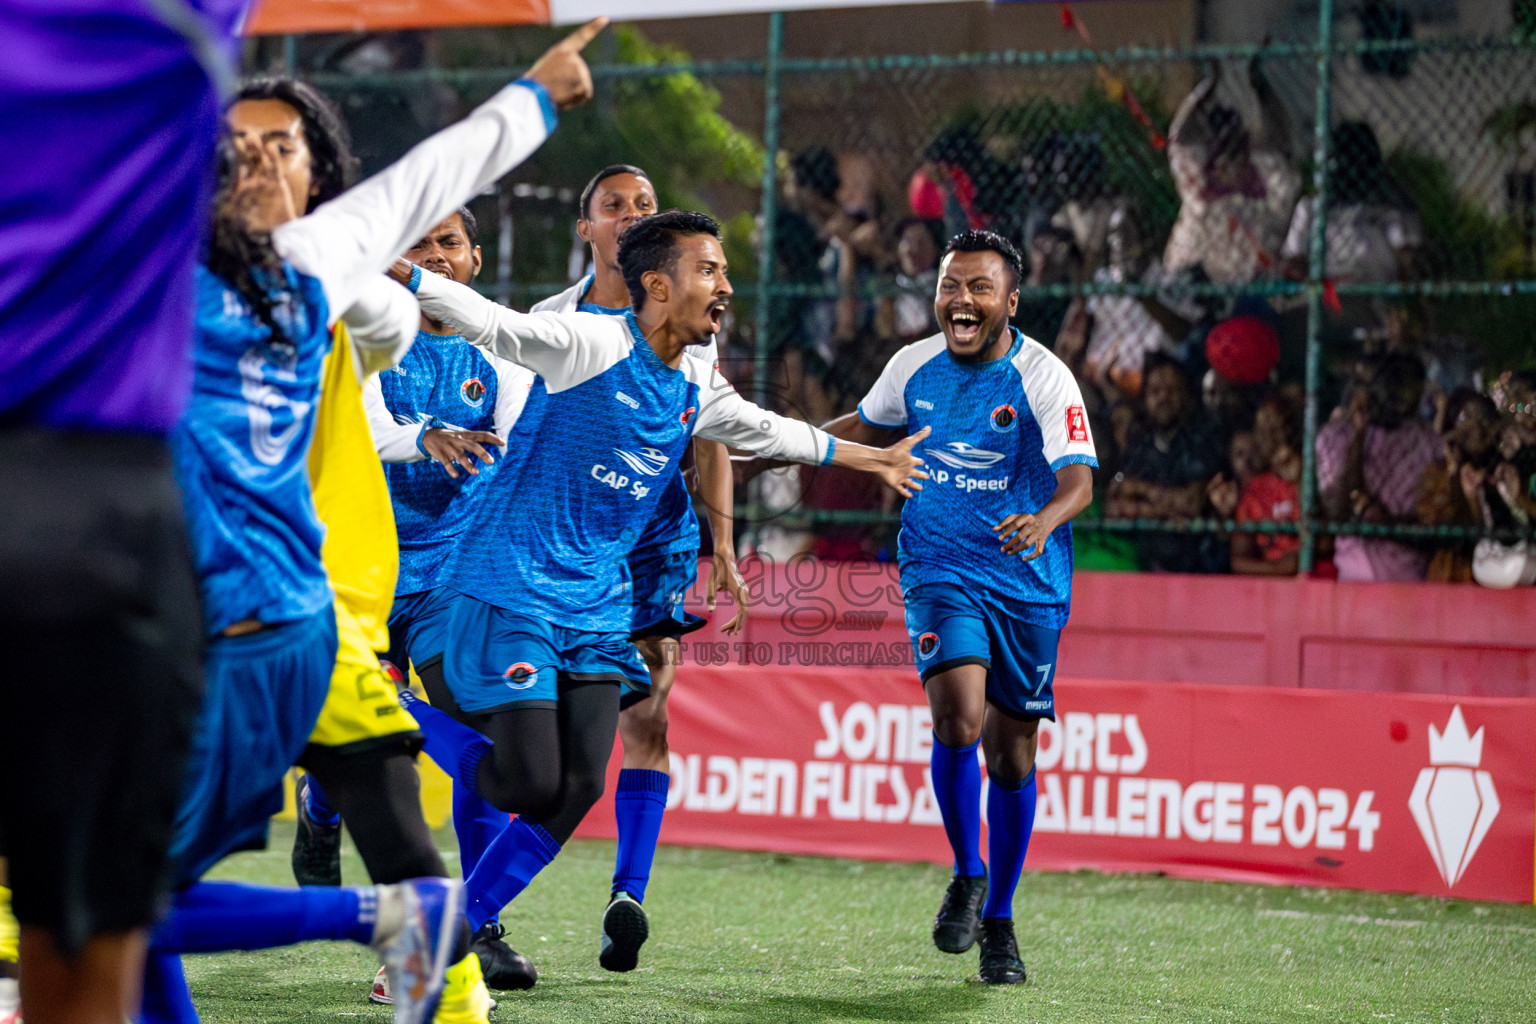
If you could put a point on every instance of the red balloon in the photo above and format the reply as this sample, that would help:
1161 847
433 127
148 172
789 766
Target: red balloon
925 198
1243 349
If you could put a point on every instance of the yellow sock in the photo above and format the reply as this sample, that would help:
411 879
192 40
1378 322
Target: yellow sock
9 930
465 1000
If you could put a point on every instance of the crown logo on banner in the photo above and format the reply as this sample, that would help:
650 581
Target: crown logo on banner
1455 746
1454 802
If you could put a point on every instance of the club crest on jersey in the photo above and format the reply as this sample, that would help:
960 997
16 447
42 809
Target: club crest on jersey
1077 425
521 676
1004 418
646 462
473 392
927 645
687 415
962 455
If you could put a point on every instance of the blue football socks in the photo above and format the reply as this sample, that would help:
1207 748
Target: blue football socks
212 917
957 788
316 805
456 748
1010 822
506 867
639 804
476 824
166 999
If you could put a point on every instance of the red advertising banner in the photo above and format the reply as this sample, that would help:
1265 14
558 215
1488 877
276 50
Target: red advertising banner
1389 792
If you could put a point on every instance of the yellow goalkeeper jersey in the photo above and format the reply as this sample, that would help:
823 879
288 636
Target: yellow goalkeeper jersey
352 499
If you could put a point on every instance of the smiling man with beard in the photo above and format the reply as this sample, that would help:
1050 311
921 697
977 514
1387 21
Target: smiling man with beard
986 566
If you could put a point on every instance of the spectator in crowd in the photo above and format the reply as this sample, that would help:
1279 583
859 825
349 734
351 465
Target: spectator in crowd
1058 322
1277 426
1168 462
1455 492
1256 493
810 194
1517 441
1121 331
1064 187
1266 470
1370 458
907 316
1509 494
1373 227
1237 186
838 196
963 185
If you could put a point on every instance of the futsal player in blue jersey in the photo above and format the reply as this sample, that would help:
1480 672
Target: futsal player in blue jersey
663 566
539 631
437 418
274 284
986 566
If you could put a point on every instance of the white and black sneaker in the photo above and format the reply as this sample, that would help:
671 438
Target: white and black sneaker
625 929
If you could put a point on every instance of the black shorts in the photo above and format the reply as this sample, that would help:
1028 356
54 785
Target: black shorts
102 637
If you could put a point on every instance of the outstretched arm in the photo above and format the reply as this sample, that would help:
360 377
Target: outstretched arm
1186 128
355 236
381 324
563 348
734 421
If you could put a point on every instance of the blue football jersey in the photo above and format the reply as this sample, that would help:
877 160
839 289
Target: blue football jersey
674 528
599 438
241 453
442 381
1001 430
560 515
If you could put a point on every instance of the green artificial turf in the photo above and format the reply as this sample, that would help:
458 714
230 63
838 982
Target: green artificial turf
744 938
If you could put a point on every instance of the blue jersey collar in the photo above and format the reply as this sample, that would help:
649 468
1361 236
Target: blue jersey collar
1003 360
583 306
647 354
437 339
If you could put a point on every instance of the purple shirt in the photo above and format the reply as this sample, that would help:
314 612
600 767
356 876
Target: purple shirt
1394 461
106 169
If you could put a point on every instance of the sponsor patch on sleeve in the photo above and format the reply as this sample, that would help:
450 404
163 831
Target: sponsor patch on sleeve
1077 425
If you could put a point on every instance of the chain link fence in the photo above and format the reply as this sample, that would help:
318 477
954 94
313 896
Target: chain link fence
1296 280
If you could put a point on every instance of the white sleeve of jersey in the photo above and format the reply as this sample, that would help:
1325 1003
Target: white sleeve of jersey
513 383
356 236
726 417
1057 405
886 404
382 323
394 441
883 406
563 348
563 302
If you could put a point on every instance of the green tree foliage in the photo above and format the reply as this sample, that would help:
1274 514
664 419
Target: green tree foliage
670 125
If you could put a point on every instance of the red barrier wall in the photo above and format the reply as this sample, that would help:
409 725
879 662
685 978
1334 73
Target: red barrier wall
1391 792
1231 630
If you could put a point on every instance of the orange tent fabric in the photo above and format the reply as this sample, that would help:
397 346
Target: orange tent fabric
280 17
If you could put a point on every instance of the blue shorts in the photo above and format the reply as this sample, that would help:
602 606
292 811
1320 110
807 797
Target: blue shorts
264 695
501 660
418 627
950 626
661 582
